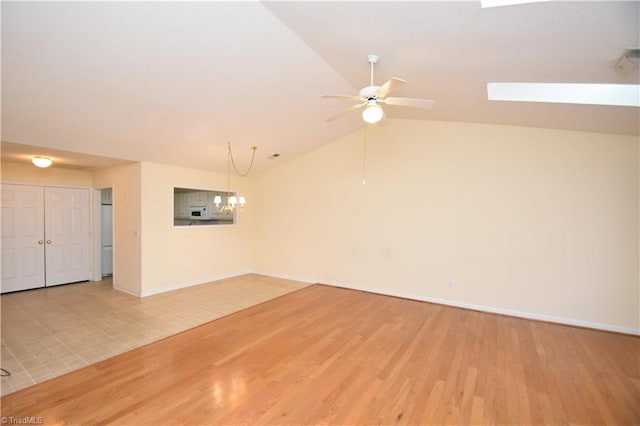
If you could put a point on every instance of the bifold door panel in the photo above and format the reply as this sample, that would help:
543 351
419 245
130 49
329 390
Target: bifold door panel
45 236
67 235
22 237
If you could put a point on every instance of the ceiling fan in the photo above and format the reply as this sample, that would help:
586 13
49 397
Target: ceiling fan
372 96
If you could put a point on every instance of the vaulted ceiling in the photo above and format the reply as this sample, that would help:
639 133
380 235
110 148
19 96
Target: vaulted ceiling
173 82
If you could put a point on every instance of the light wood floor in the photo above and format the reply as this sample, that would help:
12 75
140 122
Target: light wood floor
51 331
336 356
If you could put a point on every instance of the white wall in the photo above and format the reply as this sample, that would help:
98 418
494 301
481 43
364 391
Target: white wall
528 221
150 255
174 257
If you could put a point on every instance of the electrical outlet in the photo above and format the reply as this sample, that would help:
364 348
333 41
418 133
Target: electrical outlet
452 283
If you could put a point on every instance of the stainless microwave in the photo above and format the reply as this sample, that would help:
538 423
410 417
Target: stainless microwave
198 211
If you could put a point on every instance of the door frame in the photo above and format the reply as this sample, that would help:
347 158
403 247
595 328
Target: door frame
96 228
96 244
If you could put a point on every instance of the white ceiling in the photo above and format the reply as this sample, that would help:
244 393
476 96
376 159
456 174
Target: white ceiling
173 82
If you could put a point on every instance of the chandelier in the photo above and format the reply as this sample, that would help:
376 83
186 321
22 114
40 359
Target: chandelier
234 203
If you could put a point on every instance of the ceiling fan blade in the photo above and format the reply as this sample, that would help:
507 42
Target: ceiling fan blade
409 102
346 97
346 111
390 86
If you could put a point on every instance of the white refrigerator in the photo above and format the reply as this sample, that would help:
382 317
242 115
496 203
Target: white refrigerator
107 240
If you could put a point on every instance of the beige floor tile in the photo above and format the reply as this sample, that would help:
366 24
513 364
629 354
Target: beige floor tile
49 332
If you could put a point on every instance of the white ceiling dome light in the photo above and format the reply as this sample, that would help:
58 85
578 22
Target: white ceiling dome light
372 113
41 162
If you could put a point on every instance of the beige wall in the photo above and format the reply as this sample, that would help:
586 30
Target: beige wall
127 224
538 222
150 255
174 257
527 221
51 176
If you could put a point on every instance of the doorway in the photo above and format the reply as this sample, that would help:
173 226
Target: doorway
106 231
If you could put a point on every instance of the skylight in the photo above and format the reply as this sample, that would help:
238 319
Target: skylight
496 3
568 93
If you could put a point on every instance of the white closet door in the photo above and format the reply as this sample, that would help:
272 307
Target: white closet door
67 235
22 237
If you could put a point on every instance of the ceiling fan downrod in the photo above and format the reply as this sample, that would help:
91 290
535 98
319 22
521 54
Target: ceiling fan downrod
372 59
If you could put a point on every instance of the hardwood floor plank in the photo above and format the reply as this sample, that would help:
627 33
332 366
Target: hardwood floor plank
324 355
51 331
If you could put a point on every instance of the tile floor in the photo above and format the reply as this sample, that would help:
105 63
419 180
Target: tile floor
51 331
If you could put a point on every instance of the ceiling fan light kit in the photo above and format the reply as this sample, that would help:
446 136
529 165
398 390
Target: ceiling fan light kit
372 113
371 97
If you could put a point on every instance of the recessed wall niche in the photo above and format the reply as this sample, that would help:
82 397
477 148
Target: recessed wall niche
196 207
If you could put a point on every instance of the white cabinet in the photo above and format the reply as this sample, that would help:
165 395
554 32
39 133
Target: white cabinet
106 197
107 261
180 207
198 198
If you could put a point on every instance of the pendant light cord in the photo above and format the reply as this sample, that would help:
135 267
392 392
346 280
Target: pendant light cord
235 168
228 171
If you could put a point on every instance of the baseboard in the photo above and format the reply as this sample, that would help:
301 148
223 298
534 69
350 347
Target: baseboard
288 277
178 286
481 308
124 290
